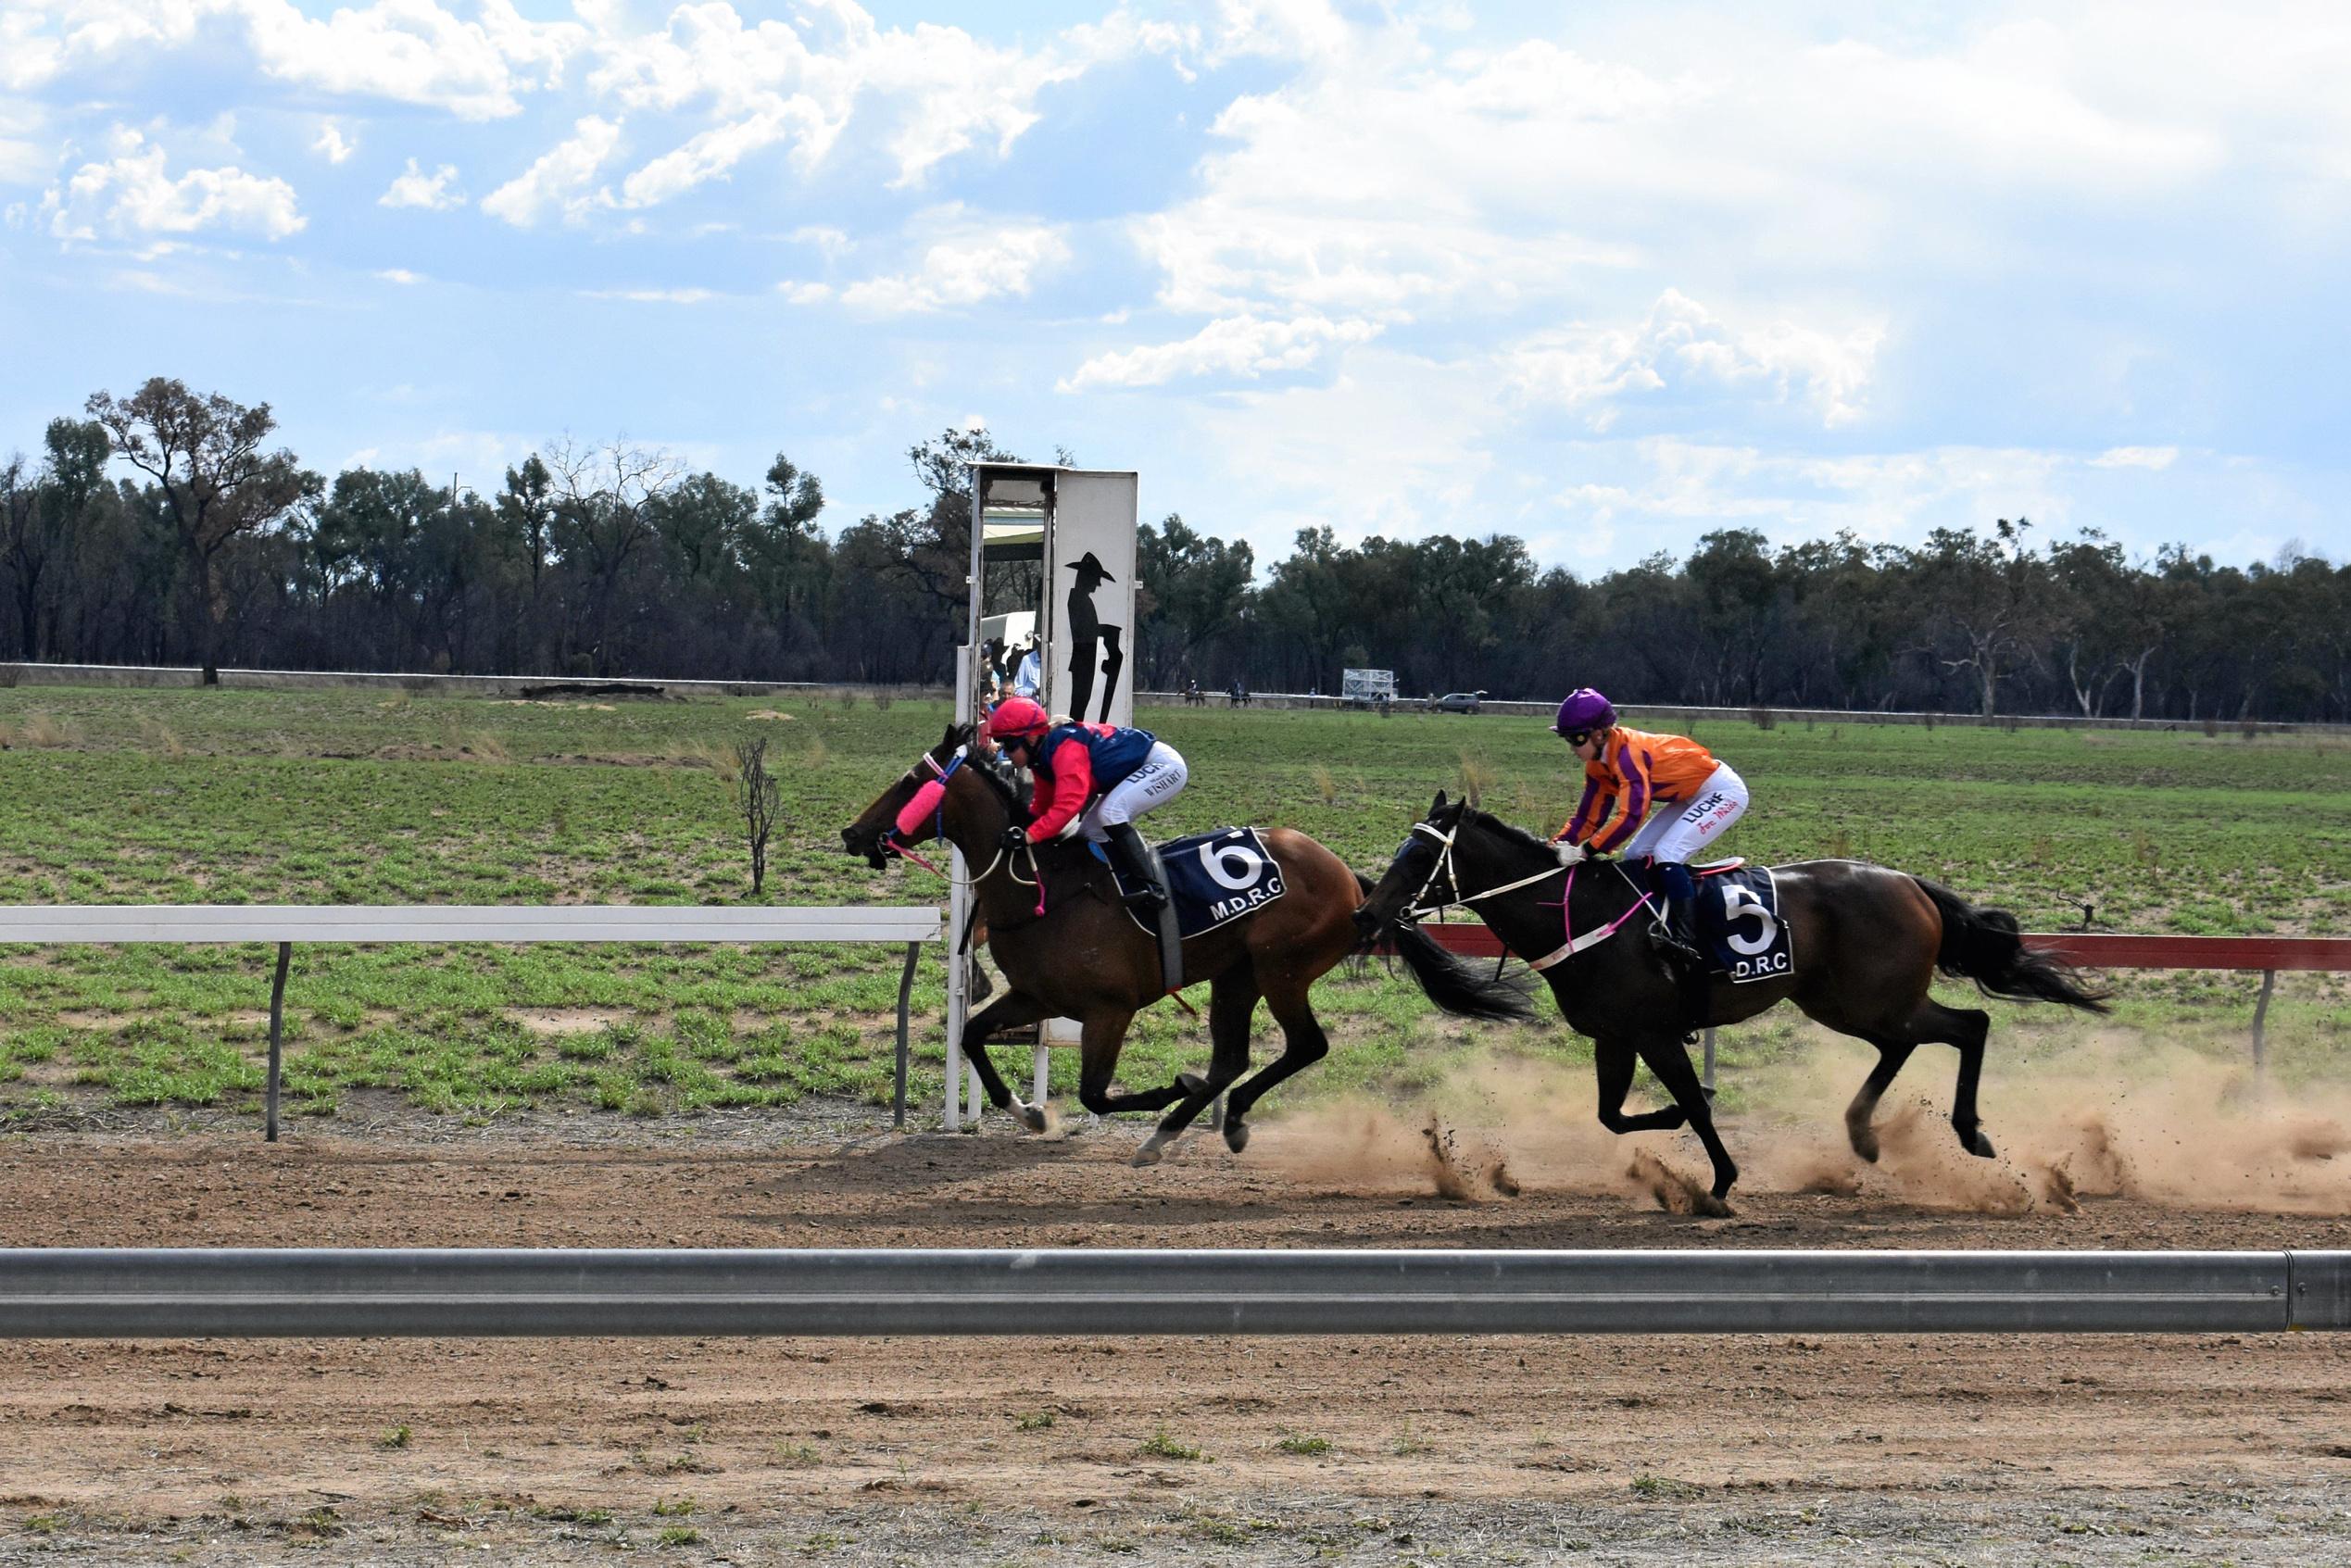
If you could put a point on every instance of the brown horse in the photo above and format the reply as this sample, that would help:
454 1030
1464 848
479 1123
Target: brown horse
1867 942
1083 958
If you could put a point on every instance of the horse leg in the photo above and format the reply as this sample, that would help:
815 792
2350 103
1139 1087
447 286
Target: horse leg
1012 1008
1099 1041
1892 1054
1232 997
1968 1029
1670 1061
1613 1062
1303 1044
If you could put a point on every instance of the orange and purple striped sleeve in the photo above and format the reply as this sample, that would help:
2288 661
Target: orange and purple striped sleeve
1633 766
1586 816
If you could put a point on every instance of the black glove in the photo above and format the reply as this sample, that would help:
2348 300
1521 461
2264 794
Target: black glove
1013 837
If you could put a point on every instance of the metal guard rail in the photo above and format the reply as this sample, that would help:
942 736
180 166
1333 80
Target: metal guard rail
307 1293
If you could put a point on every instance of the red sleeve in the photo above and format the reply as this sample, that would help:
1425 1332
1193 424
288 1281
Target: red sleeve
1633 767
1072 775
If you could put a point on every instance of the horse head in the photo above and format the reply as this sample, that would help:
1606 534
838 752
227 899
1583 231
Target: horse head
1420 861
892 818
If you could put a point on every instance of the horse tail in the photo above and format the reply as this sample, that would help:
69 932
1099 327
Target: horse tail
1455 985
1984 946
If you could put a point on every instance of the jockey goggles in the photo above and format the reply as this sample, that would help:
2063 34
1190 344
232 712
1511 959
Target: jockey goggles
1577 737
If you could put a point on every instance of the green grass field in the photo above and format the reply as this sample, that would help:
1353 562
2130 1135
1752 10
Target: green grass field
360 797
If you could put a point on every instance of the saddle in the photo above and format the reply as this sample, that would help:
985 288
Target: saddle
1211 879
1164 925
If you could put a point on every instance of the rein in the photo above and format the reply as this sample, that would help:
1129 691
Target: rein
1575 944
889 841
1417 909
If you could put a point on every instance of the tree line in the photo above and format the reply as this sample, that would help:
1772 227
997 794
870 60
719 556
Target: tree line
164 527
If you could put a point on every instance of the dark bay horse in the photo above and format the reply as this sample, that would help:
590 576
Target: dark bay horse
1868 941
1084 959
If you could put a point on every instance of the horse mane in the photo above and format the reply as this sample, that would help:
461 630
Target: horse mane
1515 836
961 735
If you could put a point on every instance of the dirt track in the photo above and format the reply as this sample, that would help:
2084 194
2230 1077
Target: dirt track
1623 1450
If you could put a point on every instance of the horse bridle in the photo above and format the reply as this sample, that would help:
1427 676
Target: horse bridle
1569 947
888 842
1415 909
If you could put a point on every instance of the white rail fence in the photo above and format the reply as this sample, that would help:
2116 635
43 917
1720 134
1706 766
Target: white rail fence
124 1293
286 924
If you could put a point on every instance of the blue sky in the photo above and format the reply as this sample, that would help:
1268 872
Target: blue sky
1605 276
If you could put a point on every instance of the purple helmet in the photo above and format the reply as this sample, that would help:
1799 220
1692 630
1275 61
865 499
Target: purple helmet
1584 710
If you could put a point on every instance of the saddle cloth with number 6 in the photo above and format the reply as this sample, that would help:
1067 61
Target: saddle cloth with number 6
1746 938
1216 878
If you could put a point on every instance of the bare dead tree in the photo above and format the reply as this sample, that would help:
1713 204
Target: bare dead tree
761 797
604 521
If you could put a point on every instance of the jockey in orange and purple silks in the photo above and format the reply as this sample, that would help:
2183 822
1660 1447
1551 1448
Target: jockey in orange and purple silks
1110 774
1625 772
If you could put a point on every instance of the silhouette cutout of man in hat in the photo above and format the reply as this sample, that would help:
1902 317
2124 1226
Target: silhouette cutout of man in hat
1092 646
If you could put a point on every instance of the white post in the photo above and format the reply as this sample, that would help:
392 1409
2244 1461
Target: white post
2260 1018
1043 1061
959 908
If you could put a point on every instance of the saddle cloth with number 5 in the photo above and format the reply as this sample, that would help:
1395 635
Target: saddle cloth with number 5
1216 878
1745 937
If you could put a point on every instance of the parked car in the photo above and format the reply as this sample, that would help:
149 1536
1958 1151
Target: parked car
1457 702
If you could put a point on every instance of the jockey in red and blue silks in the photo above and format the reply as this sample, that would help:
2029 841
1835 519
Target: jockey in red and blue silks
1100 776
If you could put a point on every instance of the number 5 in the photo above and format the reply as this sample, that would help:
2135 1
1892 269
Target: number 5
1737 903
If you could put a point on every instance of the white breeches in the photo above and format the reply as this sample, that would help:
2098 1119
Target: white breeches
1683 833
1160 780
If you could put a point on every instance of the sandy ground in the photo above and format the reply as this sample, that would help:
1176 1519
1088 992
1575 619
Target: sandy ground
1627 1450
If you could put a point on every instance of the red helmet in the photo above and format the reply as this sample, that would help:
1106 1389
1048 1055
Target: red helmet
1018 716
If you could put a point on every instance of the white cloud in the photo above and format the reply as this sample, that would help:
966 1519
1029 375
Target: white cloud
1394 444
931 91
1798 495
1235 346
400 275
23 161
709 156
410 51
830 243
559 180
413 187
131 198
331 143
652 297
804 293
970 260
1682 345
2156 457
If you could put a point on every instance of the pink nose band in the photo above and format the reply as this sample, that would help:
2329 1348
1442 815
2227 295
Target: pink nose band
918 810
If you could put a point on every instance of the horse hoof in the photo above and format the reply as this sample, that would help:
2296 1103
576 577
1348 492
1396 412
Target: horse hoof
1712 1206
1033 1117
1865 1143
1975 1143
1193 1083
1236 1135
1150 1154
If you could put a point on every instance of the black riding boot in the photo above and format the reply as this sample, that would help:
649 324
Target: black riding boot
1676 938
1127 848
1680 891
